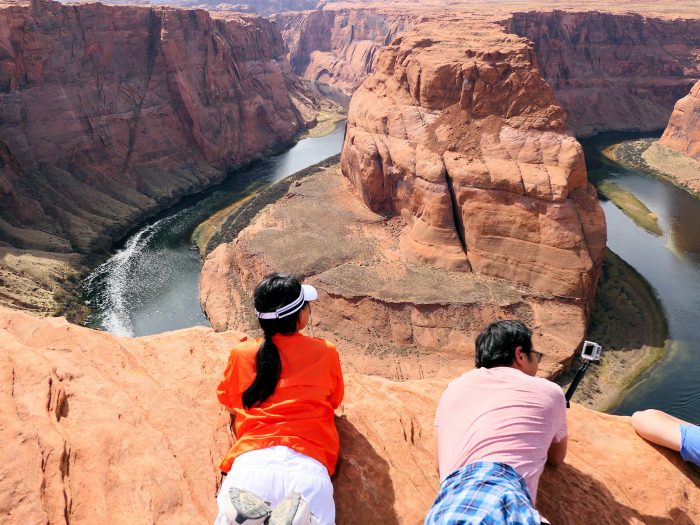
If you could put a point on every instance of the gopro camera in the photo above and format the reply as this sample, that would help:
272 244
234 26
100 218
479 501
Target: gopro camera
591 351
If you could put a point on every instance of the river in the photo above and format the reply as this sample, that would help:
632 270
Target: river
151 283
671 265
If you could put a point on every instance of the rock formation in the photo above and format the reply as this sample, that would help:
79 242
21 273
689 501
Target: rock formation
683 131
338 47
613 71
479 209
457 133
101 429
110 113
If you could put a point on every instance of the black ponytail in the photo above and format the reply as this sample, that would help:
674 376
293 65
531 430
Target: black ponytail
274 291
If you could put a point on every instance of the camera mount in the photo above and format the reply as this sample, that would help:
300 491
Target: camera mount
590 353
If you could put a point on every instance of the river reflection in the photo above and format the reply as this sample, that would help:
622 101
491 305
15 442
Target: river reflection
151 284
671 264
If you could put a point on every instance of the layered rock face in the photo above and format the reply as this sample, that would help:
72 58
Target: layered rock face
101 429
683 131
457 133
109 113
339 46
613 71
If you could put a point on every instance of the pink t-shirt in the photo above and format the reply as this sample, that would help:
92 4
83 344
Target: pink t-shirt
500 414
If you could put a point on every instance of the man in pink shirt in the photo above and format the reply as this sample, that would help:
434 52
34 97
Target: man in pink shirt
496 428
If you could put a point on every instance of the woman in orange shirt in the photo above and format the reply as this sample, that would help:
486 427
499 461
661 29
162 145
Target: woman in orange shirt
282 391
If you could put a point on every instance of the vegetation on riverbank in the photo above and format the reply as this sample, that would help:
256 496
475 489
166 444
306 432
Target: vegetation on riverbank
631 206
648 155
326 122
628 320
227 223
204 232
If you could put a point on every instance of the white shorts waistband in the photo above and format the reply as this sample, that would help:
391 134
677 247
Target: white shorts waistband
281 457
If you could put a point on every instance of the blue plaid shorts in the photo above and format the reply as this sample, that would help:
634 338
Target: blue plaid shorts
483 493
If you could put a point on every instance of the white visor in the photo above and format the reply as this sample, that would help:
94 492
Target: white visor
308 293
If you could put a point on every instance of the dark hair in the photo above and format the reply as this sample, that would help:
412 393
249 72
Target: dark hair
496 345
274 291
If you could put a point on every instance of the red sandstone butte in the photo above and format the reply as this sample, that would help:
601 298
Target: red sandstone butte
683 131
103 429
457 132
111 113
613 71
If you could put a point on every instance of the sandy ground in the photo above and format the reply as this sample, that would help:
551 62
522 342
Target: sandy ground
629 322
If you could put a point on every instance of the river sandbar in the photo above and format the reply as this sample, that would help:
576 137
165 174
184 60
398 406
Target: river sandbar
632 207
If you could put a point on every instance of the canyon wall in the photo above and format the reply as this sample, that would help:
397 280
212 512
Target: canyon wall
339 46
102 429
613 71
109 113
683 131
457 133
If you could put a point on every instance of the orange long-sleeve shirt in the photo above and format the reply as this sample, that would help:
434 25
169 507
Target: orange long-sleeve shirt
299 414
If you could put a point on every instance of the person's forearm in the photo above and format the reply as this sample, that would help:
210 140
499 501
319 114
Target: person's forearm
557 453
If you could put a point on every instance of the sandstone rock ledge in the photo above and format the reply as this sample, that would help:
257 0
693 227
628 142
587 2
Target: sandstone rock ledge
101 429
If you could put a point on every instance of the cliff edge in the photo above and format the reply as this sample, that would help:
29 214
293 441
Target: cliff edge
102 429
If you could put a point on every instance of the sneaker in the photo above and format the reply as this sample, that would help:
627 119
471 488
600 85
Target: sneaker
246 508
292 510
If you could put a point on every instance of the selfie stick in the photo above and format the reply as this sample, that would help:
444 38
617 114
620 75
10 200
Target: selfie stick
575 382
589 353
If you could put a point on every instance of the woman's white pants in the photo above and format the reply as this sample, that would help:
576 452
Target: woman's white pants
273 473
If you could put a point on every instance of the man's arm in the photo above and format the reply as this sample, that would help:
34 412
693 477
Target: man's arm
557 452
436 451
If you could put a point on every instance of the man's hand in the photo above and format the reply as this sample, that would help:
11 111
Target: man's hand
556 452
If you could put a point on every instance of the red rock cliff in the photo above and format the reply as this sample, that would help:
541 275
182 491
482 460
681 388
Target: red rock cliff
339 47
108 113
101 429
457 132
613 71
683 131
